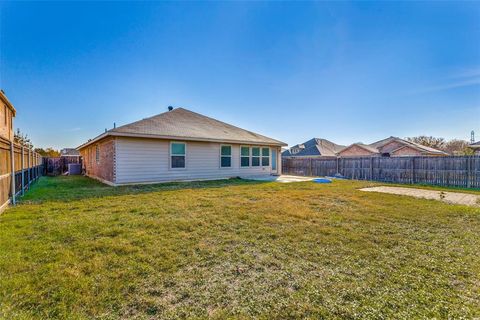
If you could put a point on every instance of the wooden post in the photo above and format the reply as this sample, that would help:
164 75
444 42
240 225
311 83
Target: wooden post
23 171
310 167
337 166
12 161
469 171
413 170
371 168
28 167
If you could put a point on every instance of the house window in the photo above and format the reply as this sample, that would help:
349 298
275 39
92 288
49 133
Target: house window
5 107
244 156
265 157
226 156
177 155
255 156
97 153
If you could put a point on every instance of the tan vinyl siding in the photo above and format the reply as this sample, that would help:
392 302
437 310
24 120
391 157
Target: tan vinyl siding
148 160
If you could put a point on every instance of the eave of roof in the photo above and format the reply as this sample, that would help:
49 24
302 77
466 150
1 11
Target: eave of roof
150 136
475 145
4 98
421 149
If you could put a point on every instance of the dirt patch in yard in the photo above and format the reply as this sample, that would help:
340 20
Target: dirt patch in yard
445 196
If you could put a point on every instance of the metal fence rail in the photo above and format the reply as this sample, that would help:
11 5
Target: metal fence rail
454 171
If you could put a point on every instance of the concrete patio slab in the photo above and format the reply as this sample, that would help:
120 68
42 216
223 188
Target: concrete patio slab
445 196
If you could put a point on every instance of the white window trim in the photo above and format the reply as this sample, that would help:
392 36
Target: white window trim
231 156
249 157
259 157
97 152
170 155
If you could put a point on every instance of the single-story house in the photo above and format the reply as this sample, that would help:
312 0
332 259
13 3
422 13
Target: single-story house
313 148
70 153
389 147
179 145
476 147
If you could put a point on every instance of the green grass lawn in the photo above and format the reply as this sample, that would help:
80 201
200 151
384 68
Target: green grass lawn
77 249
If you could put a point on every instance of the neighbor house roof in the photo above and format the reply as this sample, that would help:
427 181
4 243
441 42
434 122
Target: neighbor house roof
475 145
184 124
69 152
414 145
7 102
315 147
363 146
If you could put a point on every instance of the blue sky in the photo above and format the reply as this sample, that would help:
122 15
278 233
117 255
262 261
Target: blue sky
343 71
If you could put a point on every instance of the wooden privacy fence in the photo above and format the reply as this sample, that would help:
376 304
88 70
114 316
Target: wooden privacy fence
54 166
19 168
454 171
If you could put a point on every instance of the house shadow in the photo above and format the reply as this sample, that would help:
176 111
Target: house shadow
73 188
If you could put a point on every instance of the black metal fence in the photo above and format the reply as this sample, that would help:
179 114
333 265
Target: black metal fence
455 171
24 178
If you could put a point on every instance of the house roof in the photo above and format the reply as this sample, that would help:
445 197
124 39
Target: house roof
7 102
184 124
414 145
475 145
69 152
315 147
363 146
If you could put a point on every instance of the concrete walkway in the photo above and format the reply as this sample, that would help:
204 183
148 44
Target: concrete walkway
281 179
446 196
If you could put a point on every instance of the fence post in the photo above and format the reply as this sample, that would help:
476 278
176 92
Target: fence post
310 167
469 171
371 168
23 171
28 167
413 170
12 161
337 167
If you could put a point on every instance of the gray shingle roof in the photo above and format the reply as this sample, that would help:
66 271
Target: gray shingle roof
69 152
181 123
475 144
316 147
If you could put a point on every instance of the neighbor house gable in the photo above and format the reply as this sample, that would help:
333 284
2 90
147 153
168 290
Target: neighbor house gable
357 150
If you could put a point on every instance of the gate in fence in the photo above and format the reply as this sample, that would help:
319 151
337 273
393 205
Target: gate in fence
454 171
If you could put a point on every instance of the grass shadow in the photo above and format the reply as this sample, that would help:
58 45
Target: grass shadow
71 188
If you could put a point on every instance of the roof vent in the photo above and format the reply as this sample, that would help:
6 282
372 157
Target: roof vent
170 108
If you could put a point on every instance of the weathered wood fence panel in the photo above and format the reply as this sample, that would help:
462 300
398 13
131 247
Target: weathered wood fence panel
455 171
25 169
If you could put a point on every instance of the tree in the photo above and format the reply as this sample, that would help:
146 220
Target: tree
22 139
429 141
48 152
458 147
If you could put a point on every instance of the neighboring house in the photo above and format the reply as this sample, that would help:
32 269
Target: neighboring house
389 147
7 113
476 147
179 145
313 148
70 153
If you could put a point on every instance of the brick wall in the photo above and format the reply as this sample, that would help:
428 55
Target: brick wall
104 168
407 151
389 147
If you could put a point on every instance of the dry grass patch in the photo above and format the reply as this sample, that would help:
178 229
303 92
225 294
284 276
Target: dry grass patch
235 249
